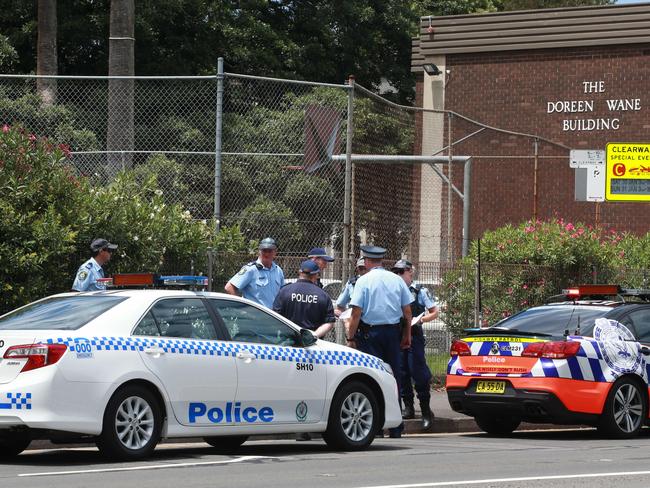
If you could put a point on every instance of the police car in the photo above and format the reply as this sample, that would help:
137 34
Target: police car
127 367
581 360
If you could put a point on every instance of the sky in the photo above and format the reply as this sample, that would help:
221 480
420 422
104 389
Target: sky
630 1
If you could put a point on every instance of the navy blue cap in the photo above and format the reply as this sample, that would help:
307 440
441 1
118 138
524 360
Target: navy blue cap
99 244
319 252
309 267
403 264
372 252
268 243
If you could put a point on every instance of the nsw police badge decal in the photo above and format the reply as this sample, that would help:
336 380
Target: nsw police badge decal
301 411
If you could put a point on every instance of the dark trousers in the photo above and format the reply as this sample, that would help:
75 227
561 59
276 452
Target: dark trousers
383 341
415 368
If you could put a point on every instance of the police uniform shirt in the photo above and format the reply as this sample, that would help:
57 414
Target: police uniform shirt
258 283
424 297
381 295
346 294
86 279
305 304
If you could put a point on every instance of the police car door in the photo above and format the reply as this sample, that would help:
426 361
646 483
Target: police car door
273 370
182 350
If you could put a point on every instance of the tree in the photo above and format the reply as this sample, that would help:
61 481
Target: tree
119 135
46 53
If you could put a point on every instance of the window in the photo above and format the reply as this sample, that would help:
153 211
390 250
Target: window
246 323
178 317
640 321
59 313
555 319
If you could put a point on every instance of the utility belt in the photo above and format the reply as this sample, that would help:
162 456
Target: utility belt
364 329
416 330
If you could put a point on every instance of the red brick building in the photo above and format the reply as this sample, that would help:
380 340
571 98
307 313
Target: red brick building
578 78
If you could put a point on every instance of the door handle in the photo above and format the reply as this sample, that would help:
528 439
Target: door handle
154 351
247 356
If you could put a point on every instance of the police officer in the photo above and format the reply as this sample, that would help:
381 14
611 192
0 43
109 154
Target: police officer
320 257
379 300
345 296
91 270
259 280
306 304
414 364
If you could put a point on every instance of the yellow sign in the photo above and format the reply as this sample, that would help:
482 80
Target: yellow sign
627 174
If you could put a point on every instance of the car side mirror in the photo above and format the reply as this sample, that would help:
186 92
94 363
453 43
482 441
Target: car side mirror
645 351
307 337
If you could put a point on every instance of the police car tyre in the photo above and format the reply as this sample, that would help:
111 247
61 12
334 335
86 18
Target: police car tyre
13 443
132 424
353 418
497 425
625 410
226 442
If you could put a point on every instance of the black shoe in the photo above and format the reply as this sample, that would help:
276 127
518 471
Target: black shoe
427 415
409 410
395 433
305 436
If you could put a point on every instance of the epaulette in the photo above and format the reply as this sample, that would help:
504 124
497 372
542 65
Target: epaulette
256 264
417 287
353 280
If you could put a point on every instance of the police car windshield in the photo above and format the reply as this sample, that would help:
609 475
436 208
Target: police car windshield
554 320
58 313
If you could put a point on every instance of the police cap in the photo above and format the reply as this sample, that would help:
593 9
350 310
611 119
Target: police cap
361 263
99 244
403 264
309 267
319 252
372 252
268 243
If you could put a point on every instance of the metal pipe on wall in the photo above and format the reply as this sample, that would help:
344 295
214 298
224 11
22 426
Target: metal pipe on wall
347 197
217 147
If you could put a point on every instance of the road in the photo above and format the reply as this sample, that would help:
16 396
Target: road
566 458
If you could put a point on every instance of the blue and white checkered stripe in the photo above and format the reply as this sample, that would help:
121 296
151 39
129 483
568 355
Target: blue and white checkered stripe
223 348
17 401
587 365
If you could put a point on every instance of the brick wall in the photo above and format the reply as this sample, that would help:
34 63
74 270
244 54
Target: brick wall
511 90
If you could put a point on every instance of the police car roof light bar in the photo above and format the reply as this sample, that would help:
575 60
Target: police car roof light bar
178 280
135 279
591 290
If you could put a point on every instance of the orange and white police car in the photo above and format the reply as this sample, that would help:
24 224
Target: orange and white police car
582 360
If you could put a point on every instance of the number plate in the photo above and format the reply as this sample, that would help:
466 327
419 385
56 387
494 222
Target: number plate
491 387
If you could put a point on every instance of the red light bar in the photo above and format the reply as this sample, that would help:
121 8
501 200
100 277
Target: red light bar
590 290
134 279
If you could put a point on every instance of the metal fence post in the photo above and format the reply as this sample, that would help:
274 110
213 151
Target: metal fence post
217 147
467 189
347 197
210 264
450 251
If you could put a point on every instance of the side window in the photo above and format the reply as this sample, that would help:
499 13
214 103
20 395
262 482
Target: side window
183 317
246 323
147 326
640 319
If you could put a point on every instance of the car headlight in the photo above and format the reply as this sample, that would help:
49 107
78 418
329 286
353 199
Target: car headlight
387 368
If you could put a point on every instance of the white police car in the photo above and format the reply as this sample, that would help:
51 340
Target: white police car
126 368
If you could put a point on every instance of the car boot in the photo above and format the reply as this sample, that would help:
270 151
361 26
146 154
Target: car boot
427 414
408 412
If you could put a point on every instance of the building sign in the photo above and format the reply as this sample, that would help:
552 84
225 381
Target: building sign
599 102
627 172
589 165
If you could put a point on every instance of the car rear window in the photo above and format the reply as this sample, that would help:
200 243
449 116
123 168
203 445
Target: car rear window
555 320
58 313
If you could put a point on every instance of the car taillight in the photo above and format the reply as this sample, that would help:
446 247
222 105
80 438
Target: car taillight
460 348
552 350
37 355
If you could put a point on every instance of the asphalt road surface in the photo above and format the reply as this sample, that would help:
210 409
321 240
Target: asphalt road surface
573 458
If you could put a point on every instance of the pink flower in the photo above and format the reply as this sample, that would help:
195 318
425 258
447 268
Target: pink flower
581 231
32 137
5 128
525 287
509 291
529 229
574 235
569 226
621 254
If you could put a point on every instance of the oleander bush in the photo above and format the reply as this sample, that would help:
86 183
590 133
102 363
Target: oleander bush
523 265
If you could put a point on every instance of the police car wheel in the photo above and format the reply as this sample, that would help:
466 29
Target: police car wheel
625 410
226 442
132 424
497 425
353 418
13 443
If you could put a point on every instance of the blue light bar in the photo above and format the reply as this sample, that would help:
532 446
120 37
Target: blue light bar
178 280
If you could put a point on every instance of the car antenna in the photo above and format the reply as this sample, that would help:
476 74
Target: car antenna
577 331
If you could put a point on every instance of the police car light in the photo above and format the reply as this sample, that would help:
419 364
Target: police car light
591 290
134 279
183 280
551 350
105 281
460 348
37 355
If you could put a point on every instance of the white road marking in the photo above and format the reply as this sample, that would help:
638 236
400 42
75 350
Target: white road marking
151 466
511 480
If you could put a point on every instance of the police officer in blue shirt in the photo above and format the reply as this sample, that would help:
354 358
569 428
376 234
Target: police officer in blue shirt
346 295
259 280
320 257
305 304
91 270
379 300
414 364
